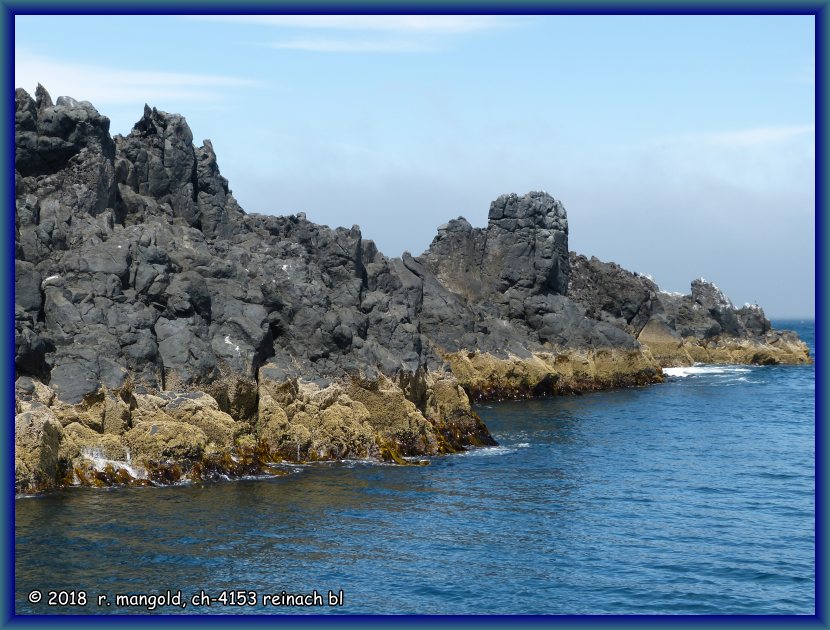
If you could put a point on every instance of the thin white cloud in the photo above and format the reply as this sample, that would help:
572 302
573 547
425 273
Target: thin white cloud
367 33
105 85
760 136
337 45
743 138
400 23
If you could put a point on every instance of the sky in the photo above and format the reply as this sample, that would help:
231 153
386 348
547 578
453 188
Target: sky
681 146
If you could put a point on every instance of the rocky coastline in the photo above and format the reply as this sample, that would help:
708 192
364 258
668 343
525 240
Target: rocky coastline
163 334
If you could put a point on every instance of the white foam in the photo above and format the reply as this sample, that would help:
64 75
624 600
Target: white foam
696 370
487 451
99 463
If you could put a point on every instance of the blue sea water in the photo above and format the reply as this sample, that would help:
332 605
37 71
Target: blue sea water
695 496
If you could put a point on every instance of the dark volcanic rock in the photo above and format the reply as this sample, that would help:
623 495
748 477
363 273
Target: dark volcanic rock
137 271
134 259
153 272
701 325
522 252
610 293
630 301
513 277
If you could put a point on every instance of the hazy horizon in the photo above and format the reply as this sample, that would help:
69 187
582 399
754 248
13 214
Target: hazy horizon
681 147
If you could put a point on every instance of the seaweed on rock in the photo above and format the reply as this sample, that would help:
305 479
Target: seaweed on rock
157 322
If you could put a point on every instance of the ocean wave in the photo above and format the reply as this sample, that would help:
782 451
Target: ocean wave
705 370
488 451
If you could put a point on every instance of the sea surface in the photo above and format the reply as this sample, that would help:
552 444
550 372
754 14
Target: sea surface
695 496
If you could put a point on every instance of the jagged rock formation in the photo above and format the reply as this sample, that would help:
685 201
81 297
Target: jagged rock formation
513 277
161 330
702 326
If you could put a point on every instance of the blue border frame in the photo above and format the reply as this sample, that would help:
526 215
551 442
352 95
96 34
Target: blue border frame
819 8
7 304
822 18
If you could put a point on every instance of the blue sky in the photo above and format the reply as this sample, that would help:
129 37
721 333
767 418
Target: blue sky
681 146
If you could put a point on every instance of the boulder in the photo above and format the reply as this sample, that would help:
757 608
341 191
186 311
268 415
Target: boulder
80 442
37 439
196 409
160 441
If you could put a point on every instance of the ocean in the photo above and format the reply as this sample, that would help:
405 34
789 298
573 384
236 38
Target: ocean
695 496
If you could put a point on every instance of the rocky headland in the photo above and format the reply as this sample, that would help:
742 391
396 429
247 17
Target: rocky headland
161 333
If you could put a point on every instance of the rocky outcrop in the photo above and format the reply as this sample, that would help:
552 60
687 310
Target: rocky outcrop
162 333
37 441
522 252
702 326
511 278
548 374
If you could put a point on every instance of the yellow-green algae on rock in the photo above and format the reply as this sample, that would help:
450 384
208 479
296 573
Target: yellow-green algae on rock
420 414
486 377
125 438
670 349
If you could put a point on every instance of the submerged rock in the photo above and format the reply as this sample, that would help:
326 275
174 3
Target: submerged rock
158 322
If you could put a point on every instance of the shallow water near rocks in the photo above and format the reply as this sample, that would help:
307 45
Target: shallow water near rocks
693 496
